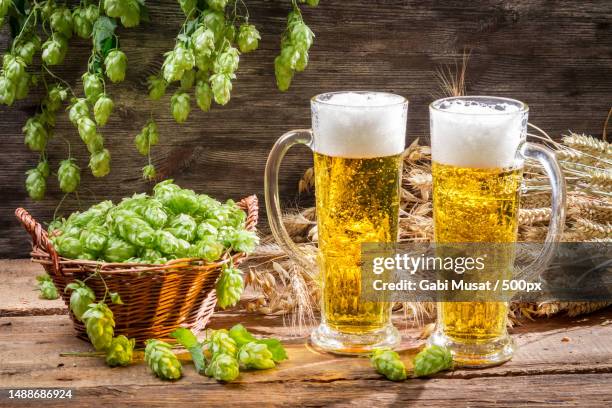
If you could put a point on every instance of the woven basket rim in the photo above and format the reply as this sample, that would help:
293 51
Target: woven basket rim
43 251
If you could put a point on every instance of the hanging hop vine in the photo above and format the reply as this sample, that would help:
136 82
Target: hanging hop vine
60 22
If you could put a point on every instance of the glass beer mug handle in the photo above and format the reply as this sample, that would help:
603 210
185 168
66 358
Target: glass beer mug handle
282 145
547 159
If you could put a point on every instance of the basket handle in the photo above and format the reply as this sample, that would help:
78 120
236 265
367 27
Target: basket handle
250 205
40 239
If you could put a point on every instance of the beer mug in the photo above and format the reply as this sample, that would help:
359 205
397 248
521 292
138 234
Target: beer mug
358 139
478 147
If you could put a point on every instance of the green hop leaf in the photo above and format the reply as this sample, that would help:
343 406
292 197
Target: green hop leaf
180 104
36 184
188 6
389 364
99 163
100 325
93 86
148 172
80 298
120 351
221 85
61 21
229 287
431 360
162 361
218 5
248 38
46 287
79 109
255 355
7 91
223 367
36 134
227 61
204 95
188 340
116 65
157 87
68 175
54 50
103 109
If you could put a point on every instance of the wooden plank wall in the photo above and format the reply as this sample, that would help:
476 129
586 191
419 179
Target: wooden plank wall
554 55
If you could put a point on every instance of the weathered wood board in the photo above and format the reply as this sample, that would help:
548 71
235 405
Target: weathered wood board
565 361
556 56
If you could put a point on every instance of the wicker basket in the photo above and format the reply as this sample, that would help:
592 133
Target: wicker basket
157 298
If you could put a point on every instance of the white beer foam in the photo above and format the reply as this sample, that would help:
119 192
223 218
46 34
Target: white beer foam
476 135
359 125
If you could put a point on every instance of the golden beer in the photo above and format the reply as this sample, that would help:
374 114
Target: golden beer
357 139
476 205
357 202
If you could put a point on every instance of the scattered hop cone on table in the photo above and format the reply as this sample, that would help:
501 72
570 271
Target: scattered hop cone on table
100 325
220 342
223 367
389 364
120 351
255 355
432 360
162 361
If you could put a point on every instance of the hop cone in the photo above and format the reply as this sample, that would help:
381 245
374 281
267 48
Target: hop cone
120 351
69 176
388 363
223 367
220 342
229 287
100 324
36 184
46 287
432 360
80 299
162 361
255 355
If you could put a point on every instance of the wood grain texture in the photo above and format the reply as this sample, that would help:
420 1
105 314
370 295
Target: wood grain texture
556 56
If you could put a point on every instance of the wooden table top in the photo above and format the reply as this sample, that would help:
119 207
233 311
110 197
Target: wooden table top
561 361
